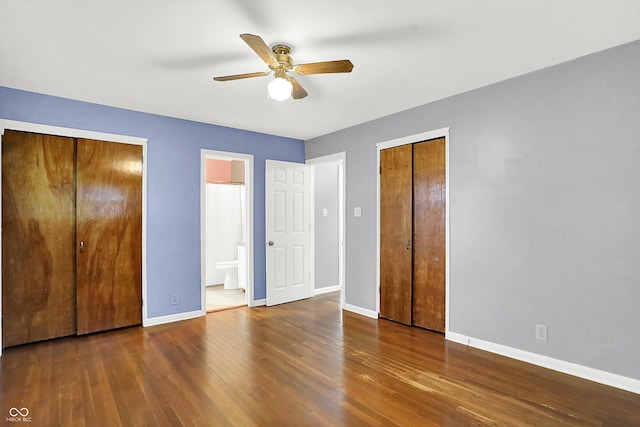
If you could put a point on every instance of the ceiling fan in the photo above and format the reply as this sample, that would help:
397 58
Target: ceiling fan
277 58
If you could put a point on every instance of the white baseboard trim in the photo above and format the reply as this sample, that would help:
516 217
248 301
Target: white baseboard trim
173 318
360 310
325 290
258 302
602 377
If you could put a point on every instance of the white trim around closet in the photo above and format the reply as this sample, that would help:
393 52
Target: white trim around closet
412 139
101 136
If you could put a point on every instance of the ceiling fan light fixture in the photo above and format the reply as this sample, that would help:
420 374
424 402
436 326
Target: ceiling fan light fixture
277 58
279 89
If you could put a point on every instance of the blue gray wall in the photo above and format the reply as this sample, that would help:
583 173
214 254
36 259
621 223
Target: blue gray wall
544 208
173 179
326 239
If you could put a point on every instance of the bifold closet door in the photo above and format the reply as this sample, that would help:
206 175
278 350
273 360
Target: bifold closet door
429 205
412 234
396 215
72 236
38 235
108 236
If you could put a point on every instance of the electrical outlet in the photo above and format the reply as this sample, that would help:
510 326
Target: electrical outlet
541 332
174 299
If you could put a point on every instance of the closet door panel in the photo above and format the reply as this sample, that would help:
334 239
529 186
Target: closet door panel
109 235
429 196
38 234
395 233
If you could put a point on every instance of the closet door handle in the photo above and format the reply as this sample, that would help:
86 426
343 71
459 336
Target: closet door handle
81 246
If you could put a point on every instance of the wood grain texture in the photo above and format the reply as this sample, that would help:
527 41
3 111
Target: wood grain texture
296 364
429 256
339 66
38 233
109 226
395 231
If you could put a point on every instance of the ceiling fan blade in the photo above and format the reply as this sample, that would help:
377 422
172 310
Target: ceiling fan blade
241 76
297 92
341 66
260 47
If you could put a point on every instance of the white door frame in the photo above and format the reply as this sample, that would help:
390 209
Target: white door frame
80 133
248 182
411 139
340 159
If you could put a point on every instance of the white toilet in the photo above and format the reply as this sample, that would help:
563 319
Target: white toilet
230 269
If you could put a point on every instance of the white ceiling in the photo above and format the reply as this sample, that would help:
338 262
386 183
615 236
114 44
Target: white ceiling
160 56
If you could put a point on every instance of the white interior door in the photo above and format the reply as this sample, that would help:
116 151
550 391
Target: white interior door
288 231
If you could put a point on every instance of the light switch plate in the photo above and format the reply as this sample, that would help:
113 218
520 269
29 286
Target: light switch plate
357 211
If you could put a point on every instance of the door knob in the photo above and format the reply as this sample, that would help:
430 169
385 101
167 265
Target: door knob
81 246
408 246
270 243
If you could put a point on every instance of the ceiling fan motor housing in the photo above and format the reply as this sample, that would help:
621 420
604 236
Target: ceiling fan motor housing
282 55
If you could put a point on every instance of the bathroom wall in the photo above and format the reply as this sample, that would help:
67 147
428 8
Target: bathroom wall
173 171
217 171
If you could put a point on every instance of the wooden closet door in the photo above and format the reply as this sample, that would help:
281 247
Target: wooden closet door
109 235
38 234
395 233
429 198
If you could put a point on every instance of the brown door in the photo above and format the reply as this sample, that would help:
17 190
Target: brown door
396 233
429 198
109 235
38 234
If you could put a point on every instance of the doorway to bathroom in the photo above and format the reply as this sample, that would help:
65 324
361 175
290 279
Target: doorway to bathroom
227 232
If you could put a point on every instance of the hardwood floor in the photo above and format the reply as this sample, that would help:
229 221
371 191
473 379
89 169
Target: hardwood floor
303 363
